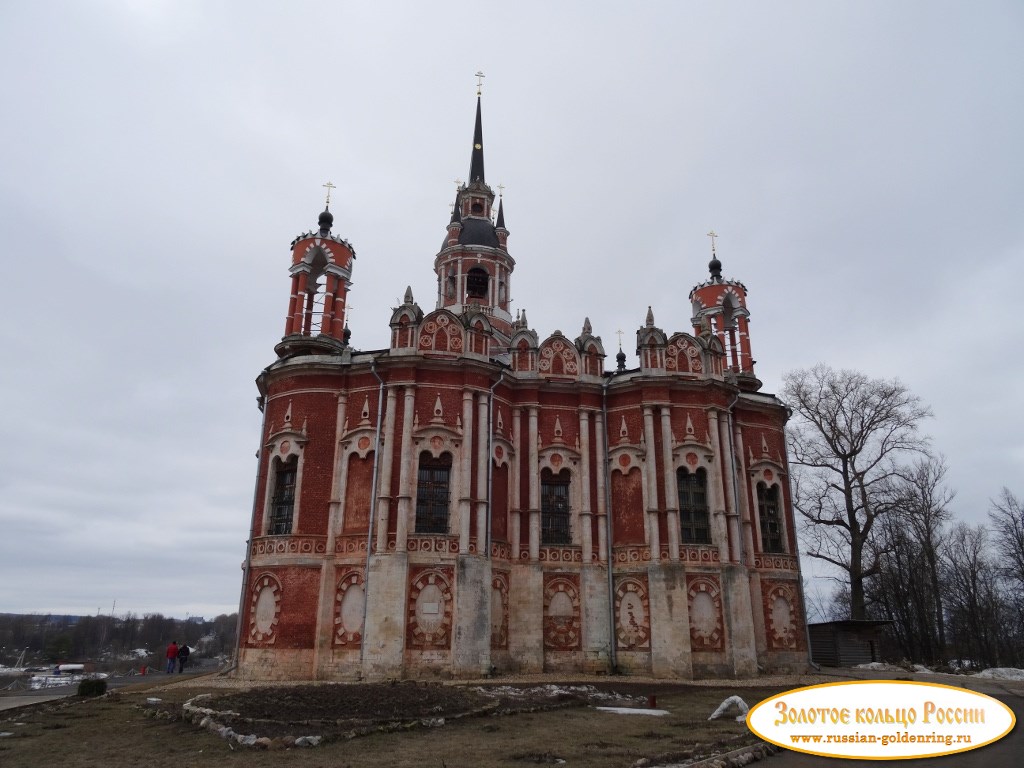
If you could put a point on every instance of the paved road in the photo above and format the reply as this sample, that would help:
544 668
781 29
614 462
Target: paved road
1008 752
16 699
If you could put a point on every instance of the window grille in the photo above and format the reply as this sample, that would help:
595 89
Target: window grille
554 508
432 494
771 524
694 525
282 505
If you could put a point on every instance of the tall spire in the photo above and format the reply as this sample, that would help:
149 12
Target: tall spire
476 162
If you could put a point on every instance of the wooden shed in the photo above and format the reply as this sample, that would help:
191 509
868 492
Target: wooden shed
846 643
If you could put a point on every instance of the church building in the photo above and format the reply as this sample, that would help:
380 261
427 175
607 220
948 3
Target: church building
476 499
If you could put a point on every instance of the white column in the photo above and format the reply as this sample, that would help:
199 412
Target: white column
406 469
731 511
387 449
338 483
534 475
602 471
515 523
465 487
481 474
716 493
744 508
651 476
586 531
671 492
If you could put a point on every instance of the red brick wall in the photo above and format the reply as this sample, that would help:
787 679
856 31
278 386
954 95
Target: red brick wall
627 508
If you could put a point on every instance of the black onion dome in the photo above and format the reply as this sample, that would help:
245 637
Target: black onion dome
478 232
326 219
715 267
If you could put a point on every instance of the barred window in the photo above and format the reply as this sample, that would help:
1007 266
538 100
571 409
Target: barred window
694 526
771 523
554 507
477 281
282 504
432 493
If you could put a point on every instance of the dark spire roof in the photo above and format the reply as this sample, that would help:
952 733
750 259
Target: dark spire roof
456 212
476 162
501 213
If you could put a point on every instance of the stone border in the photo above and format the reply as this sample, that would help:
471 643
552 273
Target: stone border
206 718
733 759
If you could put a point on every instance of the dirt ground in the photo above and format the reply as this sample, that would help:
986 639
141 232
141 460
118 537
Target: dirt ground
485 725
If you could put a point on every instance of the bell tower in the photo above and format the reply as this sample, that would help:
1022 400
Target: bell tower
474 268
720 309
321 271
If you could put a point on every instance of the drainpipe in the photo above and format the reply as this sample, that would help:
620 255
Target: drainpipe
373 508
490 460
613 659
252 534
796 544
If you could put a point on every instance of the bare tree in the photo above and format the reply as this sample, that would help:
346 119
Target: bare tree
850 436
978 616
1007 517
924 509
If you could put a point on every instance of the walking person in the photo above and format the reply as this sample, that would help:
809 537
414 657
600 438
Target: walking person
183 652
172 656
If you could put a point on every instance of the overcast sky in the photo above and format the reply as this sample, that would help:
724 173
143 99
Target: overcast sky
861 162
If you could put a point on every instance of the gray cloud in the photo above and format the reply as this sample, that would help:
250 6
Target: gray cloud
861 163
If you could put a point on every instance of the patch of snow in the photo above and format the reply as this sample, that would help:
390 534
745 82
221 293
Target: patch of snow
1002 673
36 682
552 691
138 653
880 666
727 707
921 668
633 711
961 665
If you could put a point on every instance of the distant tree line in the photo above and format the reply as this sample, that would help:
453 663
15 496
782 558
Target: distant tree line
874 504
48 638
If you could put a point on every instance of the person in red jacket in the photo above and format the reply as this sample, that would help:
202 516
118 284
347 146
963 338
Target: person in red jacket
172 655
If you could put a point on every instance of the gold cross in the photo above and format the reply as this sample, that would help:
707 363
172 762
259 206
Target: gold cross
457 182
712 235
479 81
328 186
501 190
619 334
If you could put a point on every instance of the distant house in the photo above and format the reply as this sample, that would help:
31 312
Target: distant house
846 643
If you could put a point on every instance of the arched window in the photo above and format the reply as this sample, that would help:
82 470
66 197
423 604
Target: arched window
432 493
554 507
282 503
694 526
771 521
476 283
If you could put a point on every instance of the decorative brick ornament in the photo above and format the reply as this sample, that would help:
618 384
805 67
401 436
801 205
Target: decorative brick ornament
430 608
264 610
350 601
562 624
704 599
499 610
633 613
782 623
